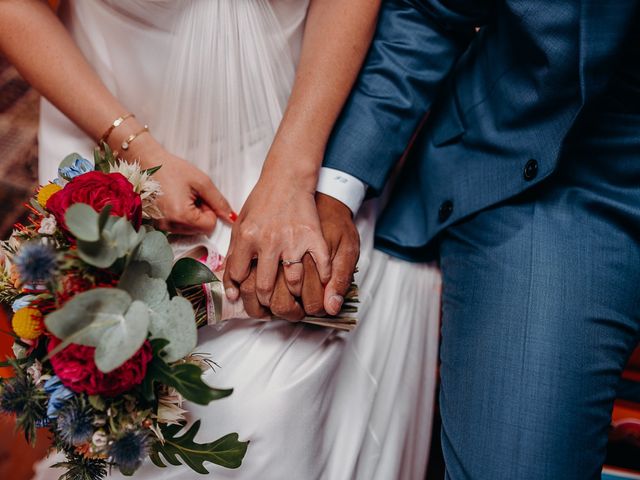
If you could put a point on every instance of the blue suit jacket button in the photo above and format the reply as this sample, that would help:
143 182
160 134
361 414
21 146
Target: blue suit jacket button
446 209
531 170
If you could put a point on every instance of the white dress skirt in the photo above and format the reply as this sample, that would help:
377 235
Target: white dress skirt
211 78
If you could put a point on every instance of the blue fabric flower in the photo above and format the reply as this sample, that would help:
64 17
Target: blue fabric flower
58 395
80 166
22 302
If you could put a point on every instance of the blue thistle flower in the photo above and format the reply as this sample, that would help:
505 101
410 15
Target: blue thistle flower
20 396
58 395
79 167
36 263
129 451
75 422
15 395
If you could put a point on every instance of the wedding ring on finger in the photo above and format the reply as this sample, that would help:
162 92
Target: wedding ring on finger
288 263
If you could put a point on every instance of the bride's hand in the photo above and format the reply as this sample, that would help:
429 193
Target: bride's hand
190 203
279 221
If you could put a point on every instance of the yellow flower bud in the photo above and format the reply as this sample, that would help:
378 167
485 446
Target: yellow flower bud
27 323
45 193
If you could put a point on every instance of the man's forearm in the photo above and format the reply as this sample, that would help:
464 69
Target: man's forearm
414 50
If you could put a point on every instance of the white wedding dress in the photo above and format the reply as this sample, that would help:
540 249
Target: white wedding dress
211 78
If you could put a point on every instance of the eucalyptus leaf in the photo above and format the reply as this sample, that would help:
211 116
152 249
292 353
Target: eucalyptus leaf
122 341
100 254
156 251
117 239
82 222
227 451
125 237
189 271
105 318
172 319
85 317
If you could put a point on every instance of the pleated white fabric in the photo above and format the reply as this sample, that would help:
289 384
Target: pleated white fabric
211 78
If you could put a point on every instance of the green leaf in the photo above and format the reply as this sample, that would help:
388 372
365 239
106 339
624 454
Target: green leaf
97 402
227 451
189 271
170 318
186 378
152 170
108 153
97 159
156 251
105 318
82 221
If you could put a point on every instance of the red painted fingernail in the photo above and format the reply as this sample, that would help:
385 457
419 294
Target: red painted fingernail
233 216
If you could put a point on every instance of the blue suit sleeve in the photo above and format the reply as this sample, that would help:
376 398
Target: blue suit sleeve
415 47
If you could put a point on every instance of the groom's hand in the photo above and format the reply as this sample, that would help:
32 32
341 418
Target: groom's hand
343 240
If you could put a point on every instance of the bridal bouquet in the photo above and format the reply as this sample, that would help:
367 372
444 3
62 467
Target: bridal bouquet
103 336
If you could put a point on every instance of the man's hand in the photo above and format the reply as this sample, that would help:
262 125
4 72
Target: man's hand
343 241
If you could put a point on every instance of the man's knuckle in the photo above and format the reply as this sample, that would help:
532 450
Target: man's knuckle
247 288
314 308
263 289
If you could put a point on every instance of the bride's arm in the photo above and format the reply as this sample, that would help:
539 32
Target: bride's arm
279 220
36 42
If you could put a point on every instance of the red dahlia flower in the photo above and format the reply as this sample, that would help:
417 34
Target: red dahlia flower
98 190
77 371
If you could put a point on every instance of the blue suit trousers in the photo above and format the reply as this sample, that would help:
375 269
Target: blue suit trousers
541 310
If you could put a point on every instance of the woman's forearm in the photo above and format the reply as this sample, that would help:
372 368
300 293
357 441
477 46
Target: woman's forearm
38 45
336 39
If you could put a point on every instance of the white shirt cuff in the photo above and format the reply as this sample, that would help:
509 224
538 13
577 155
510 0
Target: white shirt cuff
343 187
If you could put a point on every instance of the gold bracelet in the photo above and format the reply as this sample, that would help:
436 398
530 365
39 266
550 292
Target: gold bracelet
116 123
132 137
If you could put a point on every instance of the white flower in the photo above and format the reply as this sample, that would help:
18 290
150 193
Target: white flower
100 439
35 372
170 409
19 351
48 226
143 184
14 242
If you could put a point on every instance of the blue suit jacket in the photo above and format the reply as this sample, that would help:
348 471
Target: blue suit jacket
501 102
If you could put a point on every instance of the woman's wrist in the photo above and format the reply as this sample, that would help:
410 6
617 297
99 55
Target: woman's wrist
299 168
142 148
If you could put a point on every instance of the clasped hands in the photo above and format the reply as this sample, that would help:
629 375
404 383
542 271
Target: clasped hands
293 252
